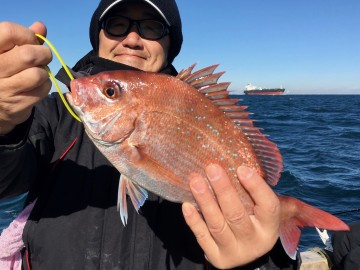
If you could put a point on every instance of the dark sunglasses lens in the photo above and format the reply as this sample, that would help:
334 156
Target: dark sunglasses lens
152 29
148 29
117 26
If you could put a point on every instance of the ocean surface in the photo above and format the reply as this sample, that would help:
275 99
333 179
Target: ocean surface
319 138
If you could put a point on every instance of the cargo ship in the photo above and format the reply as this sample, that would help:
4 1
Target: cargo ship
253 90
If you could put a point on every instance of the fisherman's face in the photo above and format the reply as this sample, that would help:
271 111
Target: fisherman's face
132 49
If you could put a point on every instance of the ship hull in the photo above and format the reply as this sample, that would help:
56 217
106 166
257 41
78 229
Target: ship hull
265 92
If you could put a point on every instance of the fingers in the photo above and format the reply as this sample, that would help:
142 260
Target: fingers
38 28
17 97
227 196
16 35
198 227
19 48
267 205
209 209
237 225
27 56
215 224
225 218
206 202
28 80
23 80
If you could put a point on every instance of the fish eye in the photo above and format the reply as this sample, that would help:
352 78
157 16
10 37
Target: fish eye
112 90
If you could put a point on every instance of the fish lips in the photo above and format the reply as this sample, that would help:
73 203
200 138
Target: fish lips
72 96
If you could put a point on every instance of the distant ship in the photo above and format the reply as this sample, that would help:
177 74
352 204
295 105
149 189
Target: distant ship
253 90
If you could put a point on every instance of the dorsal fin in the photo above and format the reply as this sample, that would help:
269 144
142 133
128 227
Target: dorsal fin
213 87
188 77
185 72
206 82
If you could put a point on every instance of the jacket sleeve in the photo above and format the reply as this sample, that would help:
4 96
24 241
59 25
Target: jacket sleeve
17 162
25 153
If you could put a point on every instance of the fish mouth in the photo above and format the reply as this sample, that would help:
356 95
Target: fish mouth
71 100
72 96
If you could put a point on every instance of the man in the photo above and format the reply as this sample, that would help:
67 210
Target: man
346 248
74 223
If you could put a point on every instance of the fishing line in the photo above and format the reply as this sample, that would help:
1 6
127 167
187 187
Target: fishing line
53 78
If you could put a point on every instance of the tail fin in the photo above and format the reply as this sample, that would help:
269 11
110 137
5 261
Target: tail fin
295 214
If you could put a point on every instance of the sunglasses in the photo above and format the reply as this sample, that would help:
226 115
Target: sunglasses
120 26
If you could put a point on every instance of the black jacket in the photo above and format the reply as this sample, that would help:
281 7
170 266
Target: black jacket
75 224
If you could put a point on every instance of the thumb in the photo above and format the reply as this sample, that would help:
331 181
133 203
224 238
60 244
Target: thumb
38 28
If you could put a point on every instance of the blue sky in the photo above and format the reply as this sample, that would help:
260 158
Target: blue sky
307 46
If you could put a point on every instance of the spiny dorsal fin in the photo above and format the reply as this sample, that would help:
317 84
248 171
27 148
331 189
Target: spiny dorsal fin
185 72
206 82
189 77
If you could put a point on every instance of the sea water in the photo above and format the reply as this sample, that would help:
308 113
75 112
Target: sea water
319 138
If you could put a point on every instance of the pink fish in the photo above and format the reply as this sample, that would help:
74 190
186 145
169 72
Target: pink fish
156 129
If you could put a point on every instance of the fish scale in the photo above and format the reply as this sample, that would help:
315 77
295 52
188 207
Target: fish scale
168 150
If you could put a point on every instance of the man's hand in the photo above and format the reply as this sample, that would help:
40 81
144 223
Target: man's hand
228 235
23 80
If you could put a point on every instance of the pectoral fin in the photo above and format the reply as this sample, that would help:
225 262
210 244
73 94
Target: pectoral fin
137 194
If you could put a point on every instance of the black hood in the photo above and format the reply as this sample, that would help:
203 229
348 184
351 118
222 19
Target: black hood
167 9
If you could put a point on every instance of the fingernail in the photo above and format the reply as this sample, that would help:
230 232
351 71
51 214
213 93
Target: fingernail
245 172
213 172
198 185
187 209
